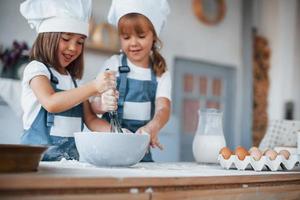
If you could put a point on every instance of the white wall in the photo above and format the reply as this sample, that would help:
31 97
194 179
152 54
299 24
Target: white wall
279 23
183 36
296 76
13 25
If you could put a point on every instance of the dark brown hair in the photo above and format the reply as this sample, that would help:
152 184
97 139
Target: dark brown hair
137 21
45 50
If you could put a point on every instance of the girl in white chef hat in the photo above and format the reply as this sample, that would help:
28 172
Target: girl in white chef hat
143 83
54 105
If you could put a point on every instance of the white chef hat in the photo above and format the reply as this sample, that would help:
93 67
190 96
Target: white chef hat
58 15
155 10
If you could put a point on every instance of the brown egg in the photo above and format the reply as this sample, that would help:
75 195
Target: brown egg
271 154
225 152
285 153
255 153
241 152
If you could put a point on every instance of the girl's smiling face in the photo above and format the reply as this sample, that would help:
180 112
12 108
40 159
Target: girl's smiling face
136 39
69 48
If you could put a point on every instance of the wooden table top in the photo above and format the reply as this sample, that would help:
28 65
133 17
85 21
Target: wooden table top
73 180
72 174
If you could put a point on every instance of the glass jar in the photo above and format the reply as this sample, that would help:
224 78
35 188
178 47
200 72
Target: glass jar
209 137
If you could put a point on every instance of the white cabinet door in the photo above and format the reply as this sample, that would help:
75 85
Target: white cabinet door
11 127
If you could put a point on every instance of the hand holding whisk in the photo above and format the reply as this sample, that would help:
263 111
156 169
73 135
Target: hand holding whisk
111 96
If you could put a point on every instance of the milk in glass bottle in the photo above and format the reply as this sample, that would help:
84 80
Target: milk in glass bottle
209 137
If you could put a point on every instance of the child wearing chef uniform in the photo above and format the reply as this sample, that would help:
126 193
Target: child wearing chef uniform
54 105
143 81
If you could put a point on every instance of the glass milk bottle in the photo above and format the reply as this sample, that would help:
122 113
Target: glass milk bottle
209 137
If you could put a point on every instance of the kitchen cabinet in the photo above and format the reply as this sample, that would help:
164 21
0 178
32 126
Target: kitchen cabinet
10 111
74 180
11 125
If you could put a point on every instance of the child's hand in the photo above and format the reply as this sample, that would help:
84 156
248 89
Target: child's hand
154 142
105 81
109 100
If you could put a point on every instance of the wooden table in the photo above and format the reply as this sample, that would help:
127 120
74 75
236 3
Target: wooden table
74 180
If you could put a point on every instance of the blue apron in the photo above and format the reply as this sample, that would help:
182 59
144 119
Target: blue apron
133 90
39 132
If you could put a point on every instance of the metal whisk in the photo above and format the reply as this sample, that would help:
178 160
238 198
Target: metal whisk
114 122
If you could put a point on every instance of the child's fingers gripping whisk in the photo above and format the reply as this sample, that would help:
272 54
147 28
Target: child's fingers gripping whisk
106 81
109 100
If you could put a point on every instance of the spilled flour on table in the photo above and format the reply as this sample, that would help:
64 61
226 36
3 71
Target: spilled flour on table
74 164
81 169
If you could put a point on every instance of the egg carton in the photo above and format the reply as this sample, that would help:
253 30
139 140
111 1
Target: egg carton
280 163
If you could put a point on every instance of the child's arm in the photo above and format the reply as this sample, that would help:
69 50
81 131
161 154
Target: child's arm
161 117
92 121
60 101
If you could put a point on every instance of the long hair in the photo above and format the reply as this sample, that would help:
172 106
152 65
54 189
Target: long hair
45 50
138 21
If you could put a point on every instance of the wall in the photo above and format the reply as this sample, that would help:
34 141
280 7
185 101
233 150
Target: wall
278 22
192 38
183 36
297 65
219 43
13 26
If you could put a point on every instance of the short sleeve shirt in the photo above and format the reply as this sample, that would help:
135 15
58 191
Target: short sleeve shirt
29 102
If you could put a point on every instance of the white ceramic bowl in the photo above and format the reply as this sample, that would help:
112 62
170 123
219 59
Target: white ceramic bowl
111 149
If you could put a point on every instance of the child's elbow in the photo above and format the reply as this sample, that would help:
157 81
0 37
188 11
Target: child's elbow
51 108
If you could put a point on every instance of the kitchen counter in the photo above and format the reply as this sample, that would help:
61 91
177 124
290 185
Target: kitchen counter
75 180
